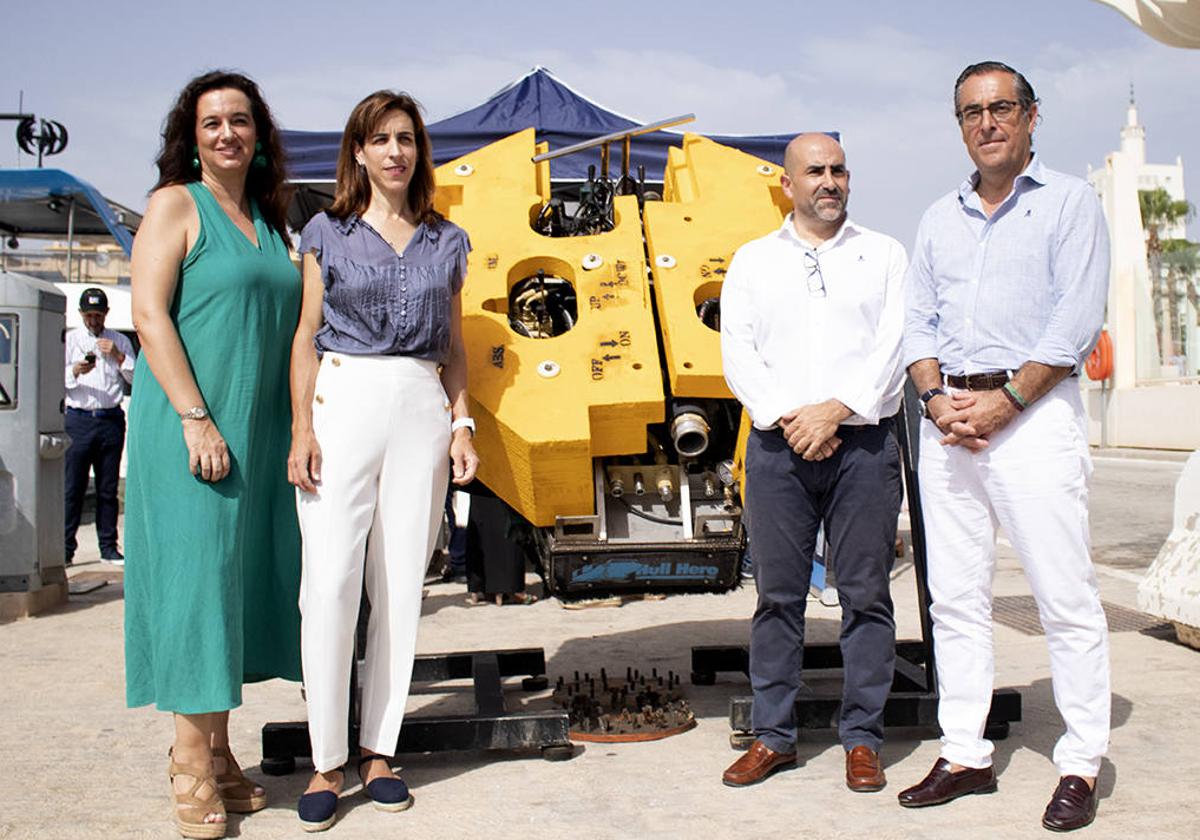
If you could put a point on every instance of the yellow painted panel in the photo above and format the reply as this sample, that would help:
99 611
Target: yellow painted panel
715 199
537 434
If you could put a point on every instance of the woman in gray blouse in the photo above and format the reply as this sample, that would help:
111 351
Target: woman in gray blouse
379 417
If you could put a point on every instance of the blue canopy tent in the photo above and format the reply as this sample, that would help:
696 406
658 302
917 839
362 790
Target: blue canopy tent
51 202
561 116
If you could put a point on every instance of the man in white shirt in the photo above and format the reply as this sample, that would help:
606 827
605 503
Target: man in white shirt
99 362
811 316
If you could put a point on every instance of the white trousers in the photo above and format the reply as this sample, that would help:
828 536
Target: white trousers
383 423
1033 482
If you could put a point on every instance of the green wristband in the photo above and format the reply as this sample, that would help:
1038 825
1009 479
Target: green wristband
1014 396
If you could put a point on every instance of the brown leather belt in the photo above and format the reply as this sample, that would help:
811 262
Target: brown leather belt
978 381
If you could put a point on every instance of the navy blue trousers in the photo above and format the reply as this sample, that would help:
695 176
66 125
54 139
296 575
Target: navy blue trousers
96 444
857 494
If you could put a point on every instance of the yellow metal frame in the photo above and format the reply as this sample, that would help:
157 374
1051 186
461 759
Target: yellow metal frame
715 199
545 408
538 433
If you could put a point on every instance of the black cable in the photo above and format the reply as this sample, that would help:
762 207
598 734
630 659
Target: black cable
661 520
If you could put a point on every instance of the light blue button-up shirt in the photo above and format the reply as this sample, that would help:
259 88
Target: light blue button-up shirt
1029 283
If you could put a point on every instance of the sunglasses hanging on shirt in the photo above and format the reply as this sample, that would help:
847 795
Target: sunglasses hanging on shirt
816 281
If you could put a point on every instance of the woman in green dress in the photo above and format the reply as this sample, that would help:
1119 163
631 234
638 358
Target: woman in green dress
212 545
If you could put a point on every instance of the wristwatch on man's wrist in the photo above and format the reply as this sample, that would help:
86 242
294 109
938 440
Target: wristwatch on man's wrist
463 423
196 412
926 397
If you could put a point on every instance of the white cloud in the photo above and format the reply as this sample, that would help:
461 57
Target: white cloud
888 91
313 98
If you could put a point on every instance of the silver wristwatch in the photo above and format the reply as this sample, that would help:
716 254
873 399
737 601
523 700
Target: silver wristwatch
196 412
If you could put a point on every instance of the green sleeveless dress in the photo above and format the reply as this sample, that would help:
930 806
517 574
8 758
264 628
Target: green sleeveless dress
212 571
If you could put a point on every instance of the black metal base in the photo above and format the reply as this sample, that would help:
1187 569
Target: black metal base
491 727
912 702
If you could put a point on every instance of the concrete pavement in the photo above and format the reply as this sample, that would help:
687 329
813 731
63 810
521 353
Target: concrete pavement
74 763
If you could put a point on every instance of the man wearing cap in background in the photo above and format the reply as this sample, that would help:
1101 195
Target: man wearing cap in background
99 364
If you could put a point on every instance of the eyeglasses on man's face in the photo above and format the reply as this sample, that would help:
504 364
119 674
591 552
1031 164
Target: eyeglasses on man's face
816 281
1002 110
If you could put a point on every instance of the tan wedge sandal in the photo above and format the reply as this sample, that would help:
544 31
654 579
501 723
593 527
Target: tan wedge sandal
240 795
190 809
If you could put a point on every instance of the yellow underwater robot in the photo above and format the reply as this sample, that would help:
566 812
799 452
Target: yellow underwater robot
592 334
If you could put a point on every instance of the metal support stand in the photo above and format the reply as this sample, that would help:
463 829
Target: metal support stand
910 703
913 698
490 727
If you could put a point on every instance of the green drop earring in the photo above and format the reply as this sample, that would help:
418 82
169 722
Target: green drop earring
195 157
260 160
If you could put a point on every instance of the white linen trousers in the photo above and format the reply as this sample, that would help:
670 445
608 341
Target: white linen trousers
1032 481
383 424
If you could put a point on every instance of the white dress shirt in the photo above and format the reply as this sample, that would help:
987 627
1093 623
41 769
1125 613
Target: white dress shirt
102 386
784 346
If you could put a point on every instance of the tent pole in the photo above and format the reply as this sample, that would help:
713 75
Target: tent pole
616 135
70 234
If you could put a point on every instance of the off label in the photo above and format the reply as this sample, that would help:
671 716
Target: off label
623 339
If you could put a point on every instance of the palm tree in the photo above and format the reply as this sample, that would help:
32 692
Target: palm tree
1159 212
1182 262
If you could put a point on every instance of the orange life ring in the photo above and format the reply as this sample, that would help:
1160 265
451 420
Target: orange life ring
1100 363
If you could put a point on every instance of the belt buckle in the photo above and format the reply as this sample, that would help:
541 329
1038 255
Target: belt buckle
996 380
981 381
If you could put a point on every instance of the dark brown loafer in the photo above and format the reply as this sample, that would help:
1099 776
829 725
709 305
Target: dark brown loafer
941 785
759 762
864 773
1072 806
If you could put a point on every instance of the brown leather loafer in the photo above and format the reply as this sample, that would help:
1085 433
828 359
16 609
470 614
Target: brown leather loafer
864 773
759 762
941 785
1072 806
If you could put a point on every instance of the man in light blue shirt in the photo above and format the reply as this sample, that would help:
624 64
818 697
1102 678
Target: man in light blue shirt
1005 297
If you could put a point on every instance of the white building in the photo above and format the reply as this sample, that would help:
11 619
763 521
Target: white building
1130 408
1150 176
1130 162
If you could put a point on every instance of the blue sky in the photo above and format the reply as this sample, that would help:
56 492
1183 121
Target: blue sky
879 72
